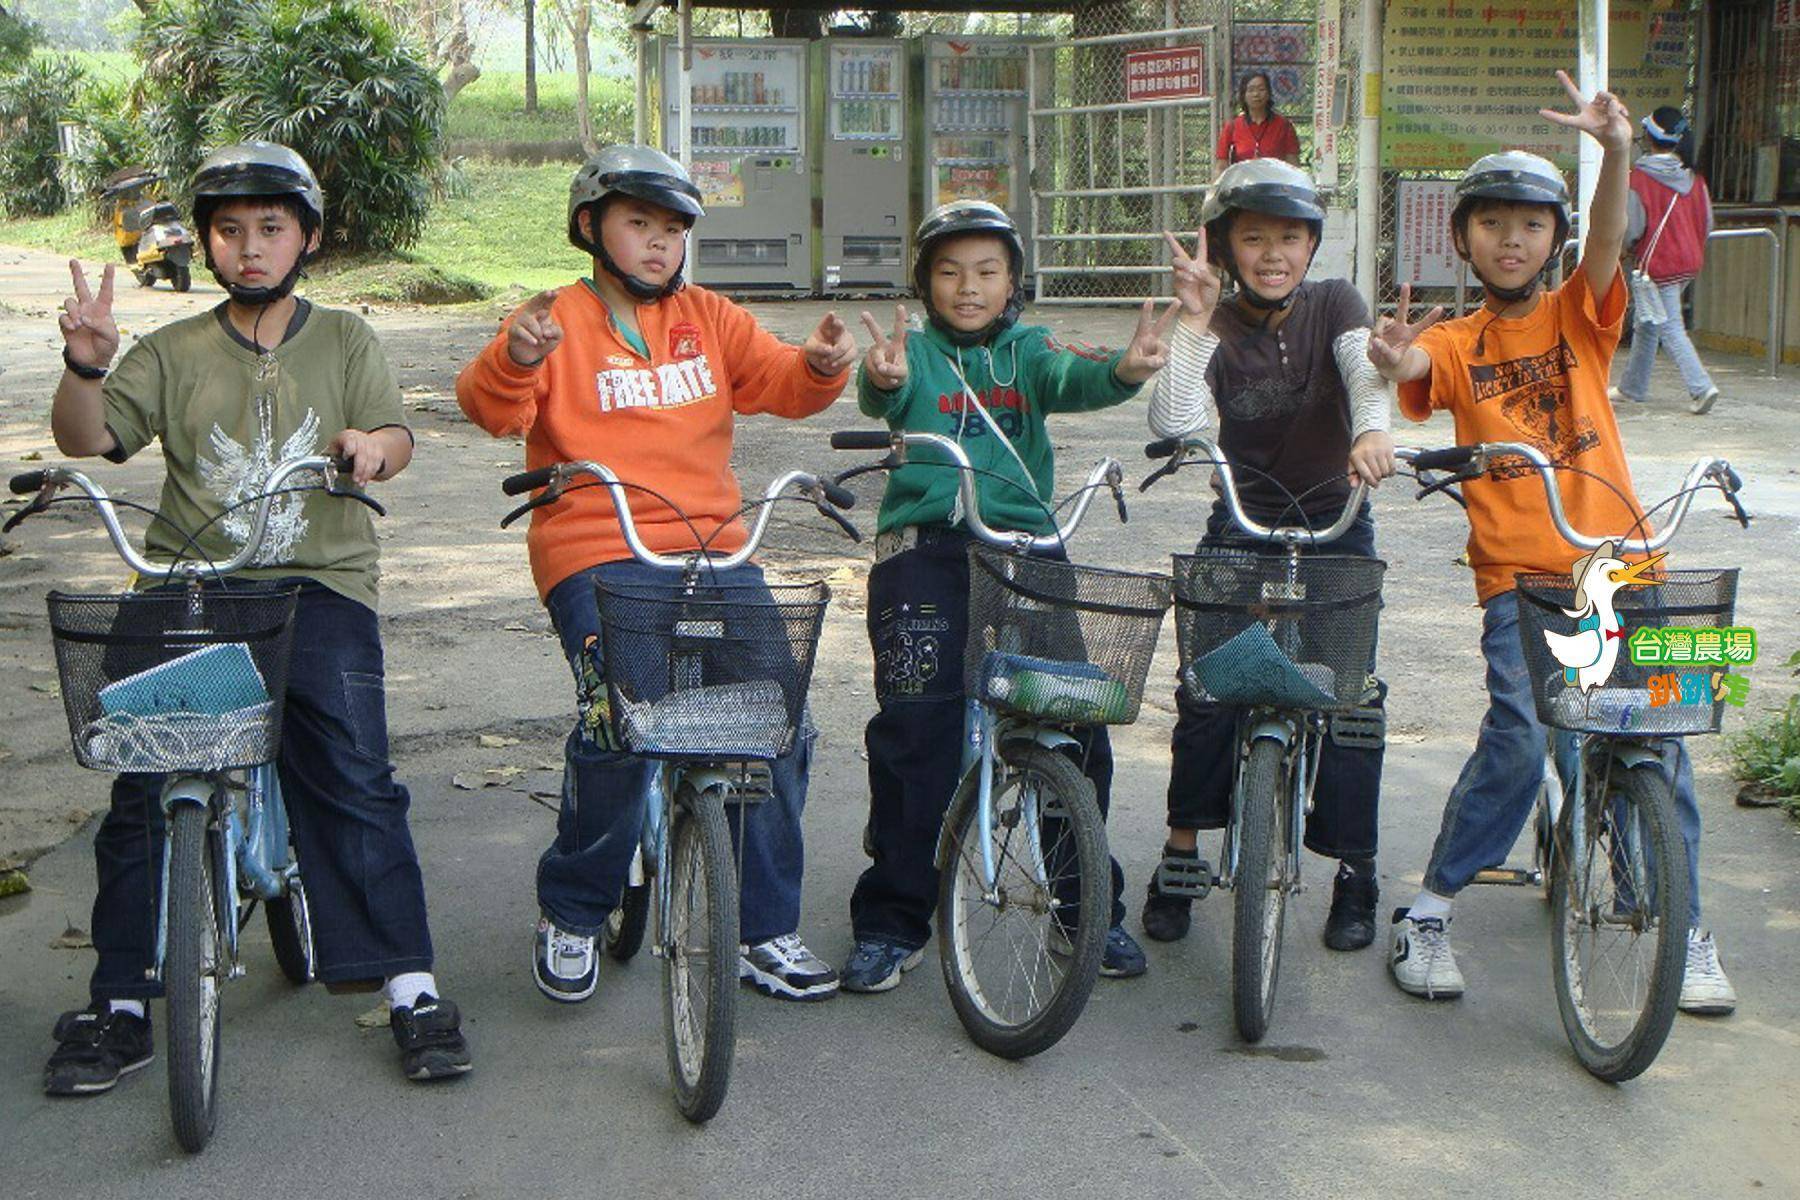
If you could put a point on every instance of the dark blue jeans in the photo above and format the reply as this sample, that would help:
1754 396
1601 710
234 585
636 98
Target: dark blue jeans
918 618
1344 822
346 812
583 871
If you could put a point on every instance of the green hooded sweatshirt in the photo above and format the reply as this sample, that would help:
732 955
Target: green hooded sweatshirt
1022 375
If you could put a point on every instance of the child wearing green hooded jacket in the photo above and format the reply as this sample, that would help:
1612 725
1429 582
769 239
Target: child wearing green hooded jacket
973 374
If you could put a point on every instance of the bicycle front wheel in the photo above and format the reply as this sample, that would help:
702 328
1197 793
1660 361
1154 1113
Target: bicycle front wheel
192 970
1020 959
1259 888
1619 897
700 954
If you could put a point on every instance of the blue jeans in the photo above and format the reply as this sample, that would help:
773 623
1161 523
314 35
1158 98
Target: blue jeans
583 871
346 813
1672 335
1494 795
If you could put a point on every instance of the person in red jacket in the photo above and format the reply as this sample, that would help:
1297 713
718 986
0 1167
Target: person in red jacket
636 369
1669 214
1257 131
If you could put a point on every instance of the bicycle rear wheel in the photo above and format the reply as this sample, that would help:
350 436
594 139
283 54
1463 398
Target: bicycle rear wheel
1021 962
700 953
623 935
1619 901
1259 888
290 929
192 970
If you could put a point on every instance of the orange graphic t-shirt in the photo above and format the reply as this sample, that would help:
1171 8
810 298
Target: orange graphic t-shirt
1540 379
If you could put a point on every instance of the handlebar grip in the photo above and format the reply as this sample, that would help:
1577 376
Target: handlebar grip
1449 459
527 481
841 497
861 439
30 481
1733 480
1162 448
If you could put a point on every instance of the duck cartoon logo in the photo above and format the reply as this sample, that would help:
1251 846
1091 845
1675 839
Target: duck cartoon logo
1589 654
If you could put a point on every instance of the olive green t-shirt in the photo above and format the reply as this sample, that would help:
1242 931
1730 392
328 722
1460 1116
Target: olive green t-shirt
226 417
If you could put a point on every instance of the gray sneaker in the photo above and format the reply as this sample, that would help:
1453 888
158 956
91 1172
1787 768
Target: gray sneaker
1702 404
1421 959
784 967
564 964
1705 990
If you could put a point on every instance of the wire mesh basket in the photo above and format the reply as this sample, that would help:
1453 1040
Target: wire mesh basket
1049 640
1632 698
1255 629
718 671
174 681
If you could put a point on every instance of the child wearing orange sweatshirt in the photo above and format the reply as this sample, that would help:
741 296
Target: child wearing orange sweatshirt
636 369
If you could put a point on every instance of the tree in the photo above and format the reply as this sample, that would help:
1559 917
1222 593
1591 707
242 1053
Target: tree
443 33
32 101
531 99
578 17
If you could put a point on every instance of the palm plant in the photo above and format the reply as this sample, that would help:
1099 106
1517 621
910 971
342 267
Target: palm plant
32 101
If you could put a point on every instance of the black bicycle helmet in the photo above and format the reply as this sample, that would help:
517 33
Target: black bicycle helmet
257 170
963 217
647 174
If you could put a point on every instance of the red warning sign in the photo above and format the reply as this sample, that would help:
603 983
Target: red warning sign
1168 73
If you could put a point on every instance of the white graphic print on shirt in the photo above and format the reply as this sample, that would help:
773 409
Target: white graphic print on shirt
238 472
670 385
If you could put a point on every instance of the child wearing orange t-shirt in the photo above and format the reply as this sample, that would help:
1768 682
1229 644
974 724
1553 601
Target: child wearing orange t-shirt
635 370
1530 366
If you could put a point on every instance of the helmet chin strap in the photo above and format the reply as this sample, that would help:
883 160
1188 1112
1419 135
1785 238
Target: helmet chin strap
257 297
641 289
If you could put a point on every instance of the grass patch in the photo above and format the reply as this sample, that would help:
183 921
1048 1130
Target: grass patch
73 233
364 280
492 109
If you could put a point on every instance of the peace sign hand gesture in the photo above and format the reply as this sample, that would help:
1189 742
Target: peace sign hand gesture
885 363
534 333
1393 336
86 320
1149 348
1604 118
1196 283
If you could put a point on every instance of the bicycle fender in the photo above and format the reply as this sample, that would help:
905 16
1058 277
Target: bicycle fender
186 789
1275 729
1631 756
1047 737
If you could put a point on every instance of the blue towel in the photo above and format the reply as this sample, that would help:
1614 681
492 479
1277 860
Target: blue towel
1251 669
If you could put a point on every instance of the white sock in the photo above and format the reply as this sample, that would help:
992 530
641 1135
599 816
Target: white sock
404 990
1430 904
134 1007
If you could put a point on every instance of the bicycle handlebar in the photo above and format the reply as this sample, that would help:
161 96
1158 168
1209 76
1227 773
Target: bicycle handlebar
1177 451
46 483
1107 471
1470 462
827 497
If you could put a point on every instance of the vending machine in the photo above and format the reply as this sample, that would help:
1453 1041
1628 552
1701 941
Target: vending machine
747 106
865 210
975 115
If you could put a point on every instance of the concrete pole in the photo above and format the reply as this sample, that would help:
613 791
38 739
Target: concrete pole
684 82
1368 157
1592 56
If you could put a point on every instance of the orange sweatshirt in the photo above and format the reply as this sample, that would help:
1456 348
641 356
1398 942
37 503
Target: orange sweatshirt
664 423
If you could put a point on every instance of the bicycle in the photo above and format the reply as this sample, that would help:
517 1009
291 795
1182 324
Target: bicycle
1288 640
1617 866
1051 647
191 684
708 679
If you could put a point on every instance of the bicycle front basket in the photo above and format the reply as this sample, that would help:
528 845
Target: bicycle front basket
1252 634
174 681
1632 699
716 672
1049 640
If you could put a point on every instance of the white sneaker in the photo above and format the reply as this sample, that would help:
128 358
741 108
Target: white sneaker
1702 404
784 967
1421 959
564 964
1704 987
1614 394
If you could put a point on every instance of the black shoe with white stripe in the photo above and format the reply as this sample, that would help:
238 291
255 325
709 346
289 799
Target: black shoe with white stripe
95 1047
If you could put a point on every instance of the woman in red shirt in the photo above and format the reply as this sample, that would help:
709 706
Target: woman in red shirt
1258 131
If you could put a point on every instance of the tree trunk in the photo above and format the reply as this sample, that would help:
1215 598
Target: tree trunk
531 99
461 55
808 23
584 116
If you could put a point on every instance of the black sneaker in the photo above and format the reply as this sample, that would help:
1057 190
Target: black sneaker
1172 887
1351 922
1123 958
430 1038
95 1047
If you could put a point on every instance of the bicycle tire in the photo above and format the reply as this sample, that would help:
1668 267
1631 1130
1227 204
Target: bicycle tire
191 975
182 279
1653 851
290 932
623 935
1079 838
1259 890
700 1050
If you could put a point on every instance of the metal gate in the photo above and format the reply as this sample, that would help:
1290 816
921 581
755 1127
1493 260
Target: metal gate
1114 163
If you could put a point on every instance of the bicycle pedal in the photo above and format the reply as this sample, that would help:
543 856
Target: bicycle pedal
1185 878
755 783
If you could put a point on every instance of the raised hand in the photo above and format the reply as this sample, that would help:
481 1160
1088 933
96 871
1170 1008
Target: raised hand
1196 283
86 320
831 347
885 363
1149 348
1393 336
1604 118
534 333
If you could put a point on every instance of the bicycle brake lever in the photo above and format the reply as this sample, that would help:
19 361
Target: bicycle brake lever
843 522
518 512
1168 468
1119 499
38 504
1447 485
1737 507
